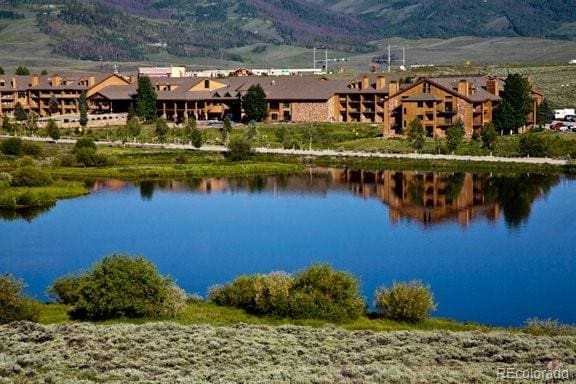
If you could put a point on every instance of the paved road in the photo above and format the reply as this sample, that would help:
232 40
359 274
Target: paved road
331 153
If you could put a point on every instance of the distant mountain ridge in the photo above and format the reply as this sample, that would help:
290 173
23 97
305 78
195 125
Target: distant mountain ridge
135 29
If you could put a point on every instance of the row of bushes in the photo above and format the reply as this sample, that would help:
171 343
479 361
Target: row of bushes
320 292
122 286
15 146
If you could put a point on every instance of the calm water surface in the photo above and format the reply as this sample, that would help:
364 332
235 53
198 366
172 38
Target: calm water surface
495 250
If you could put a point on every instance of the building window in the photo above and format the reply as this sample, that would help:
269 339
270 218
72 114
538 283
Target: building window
274 117
274 105
21 95
206 84
426 88
286 105
420 104
405 111
420 117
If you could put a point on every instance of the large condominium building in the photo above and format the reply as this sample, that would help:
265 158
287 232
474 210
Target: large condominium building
390 101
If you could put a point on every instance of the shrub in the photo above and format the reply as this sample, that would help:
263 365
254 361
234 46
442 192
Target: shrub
5 180
30 177
11 146
67 160
119 286
31 149
410 302
7 201
14 306
454 135
89 158
549 327
53 130
239 149
489 136
532 144
323 293
196 137
318 292
259 294
416 133
65 290
84 142
26 161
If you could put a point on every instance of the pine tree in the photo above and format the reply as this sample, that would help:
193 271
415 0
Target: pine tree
161 130
516 103
454 135
53 130
22 71
146 99
1 70
255 103
544 114
53 106
19 113
416 133
83 106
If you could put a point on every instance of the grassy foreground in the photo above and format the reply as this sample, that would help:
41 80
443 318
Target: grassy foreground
172 353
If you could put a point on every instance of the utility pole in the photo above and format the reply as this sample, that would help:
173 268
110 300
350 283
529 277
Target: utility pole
326 60
389 58
314 60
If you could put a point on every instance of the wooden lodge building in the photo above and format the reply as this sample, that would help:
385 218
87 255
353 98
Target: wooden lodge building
437 101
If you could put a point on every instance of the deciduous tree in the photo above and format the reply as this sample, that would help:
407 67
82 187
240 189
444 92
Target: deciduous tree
255 103
416 133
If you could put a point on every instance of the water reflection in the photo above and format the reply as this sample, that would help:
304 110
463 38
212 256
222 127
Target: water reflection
428 198
26 214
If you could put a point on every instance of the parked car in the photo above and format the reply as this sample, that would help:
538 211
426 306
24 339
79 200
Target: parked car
574 129
570 118
557 126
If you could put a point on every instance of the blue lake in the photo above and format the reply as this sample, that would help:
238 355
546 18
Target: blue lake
495 250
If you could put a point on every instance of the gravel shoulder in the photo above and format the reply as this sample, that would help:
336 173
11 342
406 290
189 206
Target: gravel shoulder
171 353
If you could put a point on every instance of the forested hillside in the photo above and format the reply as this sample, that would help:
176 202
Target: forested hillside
133 29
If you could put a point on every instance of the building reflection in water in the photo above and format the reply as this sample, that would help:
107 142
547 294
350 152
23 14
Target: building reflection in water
425 197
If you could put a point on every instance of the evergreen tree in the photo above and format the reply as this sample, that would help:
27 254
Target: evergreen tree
53 105
416 133
146 99
44 72
516 103
196 137
19 113
7 125
1 71
22 71
454 135
504 117
161 130
53 130
489 136
544 114
133 127
255 103
83 106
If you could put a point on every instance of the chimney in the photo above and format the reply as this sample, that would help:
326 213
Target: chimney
56 80
394 88
91 81
380 82
493 86
365 82
463 88
34 80
14 83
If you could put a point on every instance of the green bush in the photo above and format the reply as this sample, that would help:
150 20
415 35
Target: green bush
31 149
14 306
259 294
119 286
85 142
30 177
65 290
11 146
318 292
410 302
89 158
7 201
323 293
5 180
533 144
67 160
239 149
